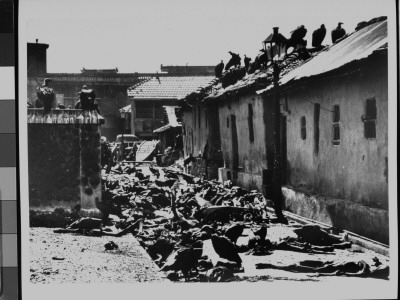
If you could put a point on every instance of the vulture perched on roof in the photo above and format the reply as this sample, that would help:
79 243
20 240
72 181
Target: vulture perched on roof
234 61
225 248
338 33
318 36
247 61
297 37
218 69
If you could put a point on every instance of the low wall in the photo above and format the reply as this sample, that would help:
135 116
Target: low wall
344 215
64 162
369 222
245 180
54 165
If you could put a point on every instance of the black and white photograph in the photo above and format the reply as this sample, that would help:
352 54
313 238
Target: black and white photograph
175 147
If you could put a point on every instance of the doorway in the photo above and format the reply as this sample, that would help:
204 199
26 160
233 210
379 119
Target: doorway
235 144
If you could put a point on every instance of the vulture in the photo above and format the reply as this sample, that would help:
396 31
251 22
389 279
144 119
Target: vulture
262 232
361 25
87 97
260 61
225 248
338 33
46 96
155 171
234 61
318 36
107 207
297 37
234 231
247 61
184 260
218 69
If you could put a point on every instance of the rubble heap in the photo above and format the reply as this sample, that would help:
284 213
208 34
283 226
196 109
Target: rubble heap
190 227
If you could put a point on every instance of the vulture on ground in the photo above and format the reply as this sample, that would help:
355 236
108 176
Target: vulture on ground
234 231
262 232
338 33
318 36
184 260
225 248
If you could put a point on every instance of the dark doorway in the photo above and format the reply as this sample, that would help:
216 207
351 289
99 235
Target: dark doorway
235 145
317 109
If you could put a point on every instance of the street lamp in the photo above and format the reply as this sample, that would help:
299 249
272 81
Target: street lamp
275 47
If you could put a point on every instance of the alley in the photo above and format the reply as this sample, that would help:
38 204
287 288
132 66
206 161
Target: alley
82 257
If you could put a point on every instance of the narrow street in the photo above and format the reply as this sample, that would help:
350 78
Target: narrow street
73 257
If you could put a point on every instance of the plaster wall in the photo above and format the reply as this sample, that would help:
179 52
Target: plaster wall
195 132
252 154
356 169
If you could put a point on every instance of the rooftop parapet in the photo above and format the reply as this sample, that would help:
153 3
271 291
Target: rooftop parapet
64 116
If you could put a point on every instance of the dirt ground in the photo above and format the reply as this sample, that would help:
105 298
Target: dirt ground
72 258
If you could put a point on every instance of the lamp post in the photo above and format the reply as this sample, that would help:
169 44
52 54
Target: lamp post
122 145
275 47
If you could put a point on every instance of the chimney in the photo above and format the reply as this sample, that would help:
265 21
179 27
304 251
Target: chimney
37 58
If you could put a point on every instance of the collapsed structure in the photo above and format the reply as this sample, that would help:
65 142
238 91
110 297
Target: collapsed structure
334 131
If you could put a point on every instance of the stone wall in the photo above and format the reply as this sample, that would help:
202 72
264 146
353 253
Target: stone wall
64 166
54 165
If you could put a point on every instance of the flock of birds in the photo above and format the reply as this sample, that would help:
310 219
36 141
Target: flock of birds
296 41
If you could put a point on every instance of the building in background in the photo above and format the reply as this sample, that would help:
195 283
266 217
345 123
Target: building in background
148 97
111 88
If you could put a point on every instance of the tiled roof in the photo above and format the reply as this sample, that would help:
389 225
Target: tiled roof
172 120
171 115
169 87
355 46
125 109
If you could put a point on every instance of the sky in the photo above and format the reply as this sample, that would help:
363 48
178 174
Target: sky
140 35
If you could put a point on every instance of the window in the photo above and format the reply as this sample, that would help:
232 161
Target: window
250 121
335 125
303 130
144 110
317 109
159 112
369 119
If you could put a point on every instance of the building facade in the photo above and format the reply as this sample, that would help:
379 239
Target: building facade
334 132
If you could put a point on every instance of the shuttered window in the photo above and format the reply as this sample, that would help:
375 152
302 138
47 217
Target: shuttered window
335 125
251 125
369 118
303 130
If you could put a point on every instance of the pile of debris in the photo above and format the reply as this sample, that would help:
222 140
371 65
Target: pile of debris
190 226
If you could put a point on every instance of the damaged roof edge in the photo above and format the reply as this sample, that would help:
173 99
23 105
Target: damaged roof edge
358 46
355 65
